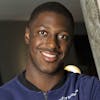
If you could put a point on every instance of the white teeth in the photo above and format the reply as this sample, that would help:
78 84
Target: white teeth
48 55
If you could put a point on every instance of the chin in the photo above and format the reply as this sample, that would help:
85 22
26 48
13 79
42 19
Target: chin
52 70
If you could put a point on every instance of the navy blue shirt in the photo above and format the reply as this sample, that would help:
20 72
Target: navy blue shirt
75 87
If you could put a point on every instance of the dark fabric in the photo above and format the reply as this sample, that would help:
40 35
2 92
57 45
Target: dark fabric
29 85
76 87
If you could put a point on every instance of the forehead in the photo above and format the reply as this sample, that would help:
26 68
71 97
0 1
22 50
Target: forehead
49 17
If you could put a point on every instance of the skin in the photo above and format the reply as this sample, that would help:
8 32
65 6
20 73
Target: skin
48 45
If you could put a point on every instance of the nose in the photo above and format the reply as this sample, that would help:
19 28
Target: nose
52 43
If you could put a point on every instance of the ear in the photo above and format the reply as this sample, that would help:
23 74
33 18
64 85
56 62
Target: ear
27 35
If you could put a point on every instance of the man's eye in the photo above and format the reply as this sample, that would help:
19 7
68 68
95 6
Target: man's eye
43 33
63 37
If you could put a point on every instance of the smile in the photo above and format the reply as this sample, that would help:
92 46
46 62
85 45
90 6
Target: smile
49 56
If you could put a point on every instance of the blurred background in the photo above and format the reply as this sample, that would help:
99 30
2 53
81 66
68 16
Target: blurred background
13 17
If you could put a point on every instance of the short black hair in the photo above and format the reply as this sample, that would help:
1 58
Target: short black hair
53 7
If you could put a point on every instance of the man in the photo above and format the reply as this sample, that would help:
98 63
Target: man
48 36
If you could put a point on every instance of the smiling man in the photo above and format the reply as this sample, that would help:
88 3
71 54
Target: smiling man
48 36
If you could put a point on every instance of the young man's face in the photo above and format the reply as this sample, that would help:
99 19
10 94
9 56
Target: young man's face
48 42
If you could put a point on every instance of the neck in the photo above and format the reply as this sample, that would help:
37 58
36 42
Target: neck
43 81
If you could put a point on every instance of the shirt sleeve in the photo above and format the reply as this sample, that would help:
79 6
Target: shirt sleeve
96 90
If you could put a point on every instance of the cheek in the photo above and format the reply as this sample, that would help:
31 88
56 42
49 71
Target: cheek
64 46
65 49
35 42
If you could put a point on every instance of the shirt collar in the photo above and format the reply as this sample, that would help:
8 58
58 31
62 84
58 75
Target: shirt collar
31 86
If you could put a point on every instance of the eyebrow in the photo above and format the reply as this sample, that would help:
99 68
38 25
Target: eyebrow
45 26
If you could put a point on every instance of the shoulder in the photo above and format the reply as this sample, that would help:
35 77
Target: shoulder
86 79
90 85
6 90
87 85
9 86
82 78
5 94
10 83
84 82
